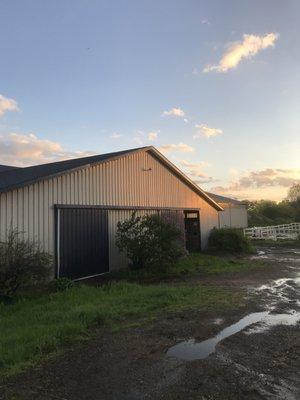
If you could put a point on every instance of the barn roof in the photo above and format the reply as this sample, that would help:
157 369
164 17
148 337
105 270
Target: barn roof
222 199
4 168
13 177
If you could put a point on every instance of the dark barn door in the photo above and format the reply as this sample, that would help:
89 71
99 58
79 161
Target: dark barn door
82 242
192 231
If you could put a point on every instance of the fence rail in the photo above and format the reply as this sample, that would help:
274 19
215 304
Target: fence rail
274 232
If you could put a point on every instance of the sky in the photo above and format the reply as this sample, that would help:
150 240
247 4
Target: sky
214 85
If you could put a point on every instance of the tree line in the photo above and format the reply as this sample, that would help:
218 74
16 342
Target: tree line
267 212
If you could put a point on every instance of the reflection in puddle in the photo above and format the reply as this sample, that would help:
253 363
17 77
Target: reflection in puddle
218 321
275 319
277 292
280 290
273 254
191 350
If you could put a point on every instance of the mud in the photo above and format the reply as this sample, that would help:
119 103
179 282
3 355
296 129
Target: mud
255 352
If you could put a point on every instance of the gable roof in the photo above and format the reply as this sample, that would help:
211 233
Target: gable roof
222 199
4 168
14 177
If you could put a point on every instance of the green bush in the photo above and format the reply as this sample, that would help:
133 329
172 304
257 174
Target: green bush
22 264
229 240
149 242
61 284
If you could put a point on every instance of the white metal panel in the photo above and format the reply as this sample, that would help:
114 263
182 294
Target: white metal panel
239 217
234 217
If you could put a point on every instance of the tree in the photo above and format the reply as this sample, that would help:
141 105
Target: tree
267 212
22 264
294 193
149 241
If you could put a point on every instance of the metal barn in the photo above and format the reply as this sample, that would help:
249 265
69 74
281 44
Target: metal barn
234 214
71 208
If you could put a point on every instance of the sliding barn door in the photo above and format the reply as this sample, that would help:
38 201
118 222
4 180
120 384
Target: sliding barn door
82 242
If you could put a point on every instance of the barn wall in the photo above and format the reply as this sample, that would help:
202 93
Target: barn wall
239 217
234 217
135 180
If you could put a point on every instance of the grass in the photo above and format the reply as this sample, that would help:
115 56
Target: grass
197 263
32 329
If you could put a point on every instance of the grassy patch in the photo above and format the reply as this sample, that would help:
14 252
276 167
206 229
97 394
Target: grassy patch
197 263
35 328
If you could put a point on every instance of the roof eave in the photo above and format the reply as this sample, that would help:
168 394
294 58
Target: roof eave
67 171
192 184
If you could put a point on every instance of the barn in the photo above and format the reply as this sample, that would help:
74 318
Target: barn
234 214
72 207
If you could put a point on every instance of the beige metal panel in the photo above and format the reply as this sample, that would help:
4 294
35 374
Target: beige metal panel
234 217
118 259
225 218
239 217
31 214
3 216
136 180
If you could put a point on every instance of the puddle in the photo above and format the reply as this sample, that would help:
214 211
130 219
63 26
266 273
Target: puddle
273 254
275 319
279 290
218 321
191 350
279 295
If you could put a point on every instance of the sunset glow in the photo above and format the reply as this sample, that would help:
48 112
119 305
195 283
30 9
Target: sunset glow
216 91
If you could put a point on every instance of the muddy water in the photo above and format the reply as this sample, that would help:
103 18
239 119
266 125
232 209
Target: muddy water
191 350
274 294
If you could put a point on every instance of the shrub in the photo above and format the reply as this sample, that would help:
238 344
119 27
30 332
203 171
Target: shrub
229 240
22 264
148 241
61 284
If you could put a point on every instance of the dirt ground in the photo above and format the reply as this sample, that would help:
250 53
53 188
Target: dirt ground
260 362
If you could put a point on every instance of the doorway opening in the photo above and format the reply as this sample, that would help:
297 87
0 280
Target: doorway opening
192 231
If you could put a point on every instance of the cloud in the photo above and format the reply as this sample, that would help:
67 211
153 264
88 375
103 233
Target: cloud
247 48
141 136
115 135
206 131
257 184
7 104
195 171
205 21
181 147
176 112
152 136
27 149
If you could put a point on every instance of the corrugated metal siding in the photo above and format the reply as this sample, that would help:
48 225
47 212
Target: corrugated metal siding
234 217
83 242
239 217
123 182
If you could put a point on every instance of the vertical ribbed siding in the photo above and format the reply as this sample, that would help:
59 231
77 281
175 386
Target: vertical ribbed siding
83 242
135 180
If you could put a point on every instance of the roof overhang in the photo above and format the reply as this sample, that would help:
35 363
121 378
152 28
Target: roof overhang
183 177
149 149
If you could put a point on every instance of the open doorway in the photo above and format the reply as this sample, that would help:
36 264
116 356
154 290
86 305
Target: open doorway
192 231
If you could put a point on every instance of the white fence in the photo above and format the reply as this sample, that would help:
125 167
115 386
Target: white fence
286 231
